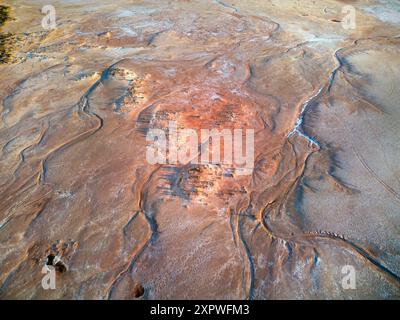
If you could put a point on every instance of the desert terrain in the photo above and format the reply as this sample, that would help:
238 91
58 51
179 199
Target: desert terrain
75 185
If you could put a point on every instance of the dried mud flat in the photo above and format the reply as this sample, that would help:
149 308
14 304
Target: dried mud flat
74 181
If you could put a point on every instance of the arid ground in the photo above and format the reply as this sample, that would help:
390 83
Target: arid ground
76 189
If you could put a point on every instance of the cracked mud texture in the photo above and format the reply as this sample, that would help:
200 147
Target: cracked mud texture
78 100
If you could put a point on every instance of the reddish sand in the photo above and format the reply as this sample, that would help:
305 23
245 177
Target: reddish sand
323 101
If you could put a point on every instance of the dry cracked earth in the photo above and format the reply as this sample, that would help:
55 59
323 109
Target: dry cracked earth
77 101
